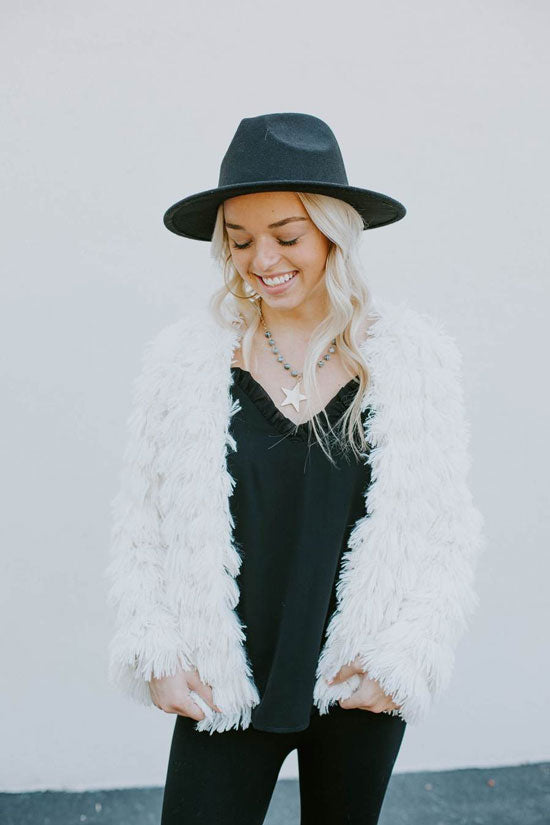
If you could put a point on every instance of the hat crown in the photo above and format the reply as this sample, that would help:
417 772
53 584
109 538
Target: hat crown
283 146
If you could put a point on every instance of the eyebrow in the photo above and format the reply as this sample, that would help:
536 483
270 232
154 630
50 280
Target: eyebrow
270 226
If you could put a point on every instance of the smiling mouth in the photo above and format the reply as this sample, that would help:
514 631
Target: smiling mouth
279 279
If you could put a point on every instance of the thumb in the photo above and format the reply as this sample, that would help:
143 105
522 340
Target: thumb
344 673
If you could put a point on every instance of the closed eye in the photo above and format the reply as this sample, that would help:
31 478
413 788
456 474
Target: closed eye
283 243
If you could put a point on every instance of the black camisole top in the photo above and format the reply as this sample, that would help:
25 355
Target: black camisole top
293 512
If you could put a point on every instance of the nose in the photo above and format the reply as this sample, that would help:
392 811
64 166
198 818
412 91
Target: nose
266 256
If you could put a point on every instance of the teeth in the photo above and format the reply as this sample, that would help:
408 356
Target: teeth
282 279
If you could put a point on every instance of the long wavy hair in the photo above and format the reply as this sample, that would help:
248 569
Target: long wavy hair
236 304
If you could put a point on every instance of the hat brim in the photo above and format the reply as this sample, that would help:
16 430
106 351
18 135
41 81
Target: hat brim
195 216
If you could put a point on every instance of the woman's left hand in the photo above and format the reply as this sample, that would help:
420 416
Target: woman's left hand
368 696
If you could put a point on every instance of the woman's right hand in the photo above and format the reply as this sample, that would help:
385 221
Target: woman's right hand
172 694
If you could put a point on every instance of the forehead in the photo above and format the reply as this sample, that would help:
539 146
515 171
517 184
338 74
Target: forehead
262 207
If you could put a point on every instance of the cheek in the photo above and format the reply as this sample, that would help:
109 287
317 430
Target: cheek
312 258
240 263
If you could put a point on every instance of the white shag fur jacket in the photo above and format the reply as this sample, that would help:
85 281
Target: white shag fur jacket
405 592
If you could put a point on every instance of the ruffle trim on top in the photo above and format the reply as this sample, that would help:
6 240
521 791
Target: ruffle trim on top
263 401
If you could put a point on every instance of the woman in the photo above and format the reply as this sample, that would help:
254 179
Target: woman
294 538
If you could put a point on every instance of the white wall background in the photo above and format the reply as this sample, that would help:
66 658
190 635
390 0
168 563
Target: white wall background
112 112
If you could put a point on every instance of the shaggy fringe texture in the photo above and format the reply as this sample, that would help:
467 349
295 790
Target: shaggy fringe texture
405 592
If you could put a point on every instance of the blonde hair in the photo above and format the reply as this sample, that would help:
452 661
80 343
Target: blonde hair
348 297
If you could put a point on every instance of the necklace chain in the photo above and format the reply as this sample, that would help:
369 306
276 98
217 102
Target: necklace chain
295 399
271 342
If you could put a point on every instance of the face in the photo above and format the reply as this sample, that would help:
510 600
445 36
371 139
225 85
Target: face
271 236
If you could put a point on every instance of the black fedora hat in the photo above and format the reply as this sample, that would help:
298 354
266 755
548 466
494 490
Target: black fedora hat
285 151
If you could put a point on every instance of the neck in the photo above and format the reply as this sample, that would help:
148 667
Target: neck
299 321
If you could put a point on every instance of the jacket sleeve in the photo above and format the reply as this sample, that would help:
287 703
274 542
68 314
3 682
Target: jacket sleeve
146 641
413 656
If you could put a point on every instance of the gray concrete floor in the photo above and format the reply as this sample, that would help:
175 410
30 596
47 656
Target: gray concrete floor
482 796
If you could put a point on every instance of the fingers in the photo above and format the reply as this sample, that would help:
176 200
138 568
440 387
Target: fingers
367 700
369 696
184 694
184 706
205 692
373 707
344 673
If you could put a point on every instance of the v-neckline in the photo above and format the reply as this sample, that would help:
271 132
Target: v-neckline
334 408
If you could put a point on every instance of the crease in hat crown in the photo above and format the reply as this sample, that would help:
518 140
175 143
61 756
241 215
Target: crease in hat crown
280 146
281 151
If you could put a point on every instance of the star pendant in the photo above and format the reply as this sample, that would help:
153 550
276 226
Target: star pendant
293 396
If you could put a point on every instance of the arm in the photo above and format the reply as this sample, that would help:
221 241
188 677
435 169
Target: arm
146 641
412 656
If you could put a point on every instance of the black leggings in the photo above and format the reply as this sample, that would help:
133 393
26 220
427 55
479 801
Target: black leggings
345 760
